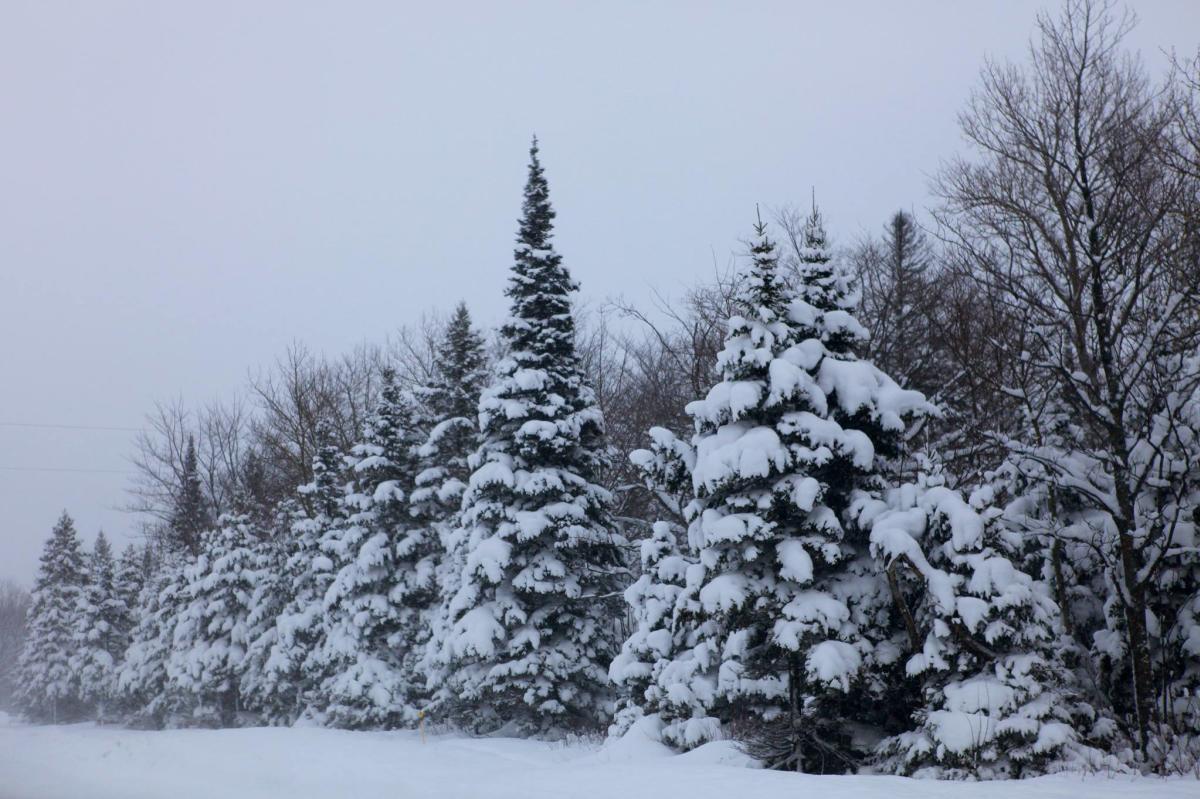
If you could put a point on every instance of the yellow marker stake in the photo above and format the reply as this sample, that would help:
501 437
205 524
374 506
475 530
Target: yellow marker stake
421 724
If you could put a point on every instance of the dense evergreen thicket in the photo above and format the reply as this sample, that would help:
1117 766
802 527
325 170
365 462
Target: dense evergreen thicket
915 505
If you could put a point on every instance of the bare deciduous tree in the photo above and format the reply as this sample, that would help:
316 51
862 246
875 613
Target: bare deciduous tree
663 357
1070 215
220 431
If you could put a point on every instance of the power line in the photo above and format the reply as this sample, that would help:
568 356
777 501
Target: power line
71 426
59 469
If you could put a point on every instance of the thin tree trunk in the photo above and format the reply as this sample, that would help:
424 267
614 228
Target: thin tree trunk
794 711
1060 584
1139 646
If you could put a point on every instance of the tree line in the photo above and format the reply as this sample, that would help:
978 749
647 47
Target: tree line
926 504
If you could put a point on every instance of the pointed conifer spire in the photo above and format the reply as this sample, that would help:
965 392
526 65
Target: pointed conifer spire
47 685
764 289
531 632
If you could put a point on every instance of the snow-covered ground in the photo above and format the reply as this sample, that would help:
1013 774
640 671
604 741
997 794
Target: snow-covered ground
89 762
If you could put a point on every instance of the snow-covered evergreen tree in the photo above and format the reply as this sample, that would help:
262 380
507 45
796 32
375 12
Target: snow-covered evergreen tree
817 280
375 603
450 405
1001 699
285 685
102 630
143 689
189 517
665 610
47 685
1175 603
1061 498
655 599
211 633
532 623
259 691
134 568
789 604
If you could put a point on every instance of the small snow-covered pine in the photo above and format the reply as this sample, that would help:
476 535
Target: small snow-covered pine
655 600
102 632
47 685
135 567
656 665
374 603
1174 592
532 623
142 685
1000 697
293 670
258 691
134 570
211 634
1060 498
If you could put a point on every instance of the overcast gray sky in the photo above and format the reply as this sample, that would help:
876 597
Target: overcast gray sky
185 188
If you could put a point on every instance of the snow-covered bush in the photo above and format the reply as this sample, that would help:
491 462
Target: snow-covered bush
102 628
211 631
1000 697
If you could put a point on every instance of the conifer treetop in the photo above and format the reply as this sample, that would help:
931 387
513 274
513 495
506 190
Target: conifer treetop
461 368
190 518
62 557
541 329
763 291
821 281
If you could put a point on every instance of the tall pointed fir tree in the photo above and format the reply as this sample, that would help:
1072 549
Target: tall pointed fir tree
782 646
374 603
817 280
451 405
532 623
189 518
102 630
900 298
47 686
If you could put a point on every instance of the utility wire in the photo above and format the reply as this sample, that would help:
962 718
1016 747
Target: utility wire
57 469
71 427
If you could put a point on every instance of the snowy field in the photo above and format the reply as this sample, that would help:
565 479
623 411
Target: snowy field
88 762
